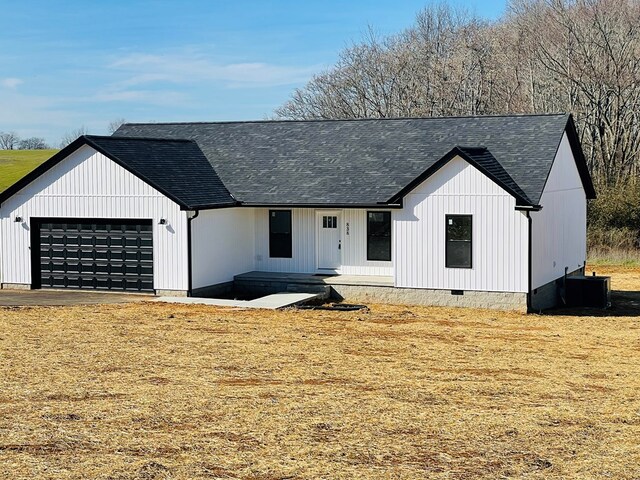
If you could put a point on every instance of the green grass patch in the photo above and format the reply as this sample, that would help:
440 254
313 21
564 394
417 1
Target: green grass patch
606 256
613 246
15 164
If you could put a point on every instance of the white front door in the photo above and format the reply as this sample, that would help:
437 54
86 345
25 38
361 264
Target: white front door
329 245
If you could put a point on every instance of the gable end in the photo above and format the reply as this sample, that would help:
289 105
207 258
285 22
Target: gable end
167 185
481 159
578 155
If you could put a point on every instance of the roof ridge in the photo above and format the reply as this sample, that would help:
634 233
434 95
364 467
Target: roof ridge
148 139
320 120
472 147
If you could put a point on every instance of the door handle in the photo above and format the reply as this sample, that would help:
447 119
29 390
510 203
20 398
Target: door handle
339 244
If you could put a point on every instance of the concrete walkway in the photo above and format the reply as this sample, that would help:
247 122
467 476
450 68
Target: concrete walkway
270 302
49 298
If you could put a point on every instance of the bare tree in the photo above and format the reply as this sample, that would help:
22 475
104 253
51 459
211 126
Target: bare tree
8 140
71 136
115 124
592 50
439 66
33 143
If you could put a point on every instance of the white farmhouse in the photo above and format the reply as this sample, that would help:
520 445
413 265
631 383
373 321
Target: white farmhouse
470 211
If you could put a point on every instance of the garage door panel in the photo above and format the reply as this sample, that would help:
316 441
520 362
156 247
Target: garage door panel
102 240
112 268
96 254
98 283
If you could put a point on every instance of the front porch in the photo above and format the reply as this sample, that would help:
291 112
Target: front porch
334 286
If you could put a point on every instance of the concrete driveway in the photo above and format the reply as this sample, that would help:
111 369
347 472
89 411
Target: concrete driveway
14 298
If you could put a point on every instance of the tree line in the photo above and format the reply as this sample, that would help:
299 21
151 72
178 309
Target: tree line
12 141
542 56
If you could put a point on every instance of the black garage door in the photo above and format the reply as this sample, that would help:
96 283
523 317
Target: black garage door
93 254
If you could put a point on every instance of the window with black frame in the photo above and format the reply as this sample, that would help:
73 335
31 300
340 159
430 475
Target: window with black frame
458 241
379 236
280 240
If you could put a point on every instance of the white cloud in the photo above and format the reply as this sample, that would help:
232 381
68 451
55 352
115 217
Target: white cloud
178 79
148 97
192 68
11 82
141 86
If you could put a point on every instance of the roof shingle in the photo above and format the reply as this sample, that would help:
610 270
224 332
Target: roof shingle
361 162
177 168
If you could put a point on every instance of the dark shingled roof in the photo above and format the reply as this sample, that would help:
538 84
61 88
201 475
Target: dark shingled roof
330 162
366 162
487 163
176 168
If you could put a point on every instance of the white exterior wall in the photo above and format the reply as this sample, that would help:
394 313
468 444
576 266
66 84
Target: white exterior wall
223 245
89 185
303 224
559 230
499 236
354 246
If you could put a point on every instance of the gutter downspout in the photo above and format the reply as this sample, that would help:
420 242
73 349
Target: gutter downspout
530 262
189 256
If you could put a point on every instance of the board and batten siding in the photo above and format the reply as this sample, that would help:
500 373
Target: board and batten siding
354 246
303 223
87 184
499 233
223 245
559 230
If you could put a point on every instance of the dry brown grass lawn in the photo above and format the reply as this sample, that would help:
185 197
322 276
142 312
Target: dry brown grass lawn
148 391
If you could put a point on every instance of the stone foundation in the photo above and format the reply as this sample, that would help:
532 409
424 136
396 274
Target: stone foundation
429 297
171 293
545 297
16 286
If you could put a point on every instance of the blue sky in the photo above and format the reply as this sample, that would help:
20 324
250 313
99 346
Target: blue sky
66 64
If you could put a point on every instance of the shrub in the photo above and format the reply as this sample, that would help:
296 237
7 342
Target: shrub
616 208
613 232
